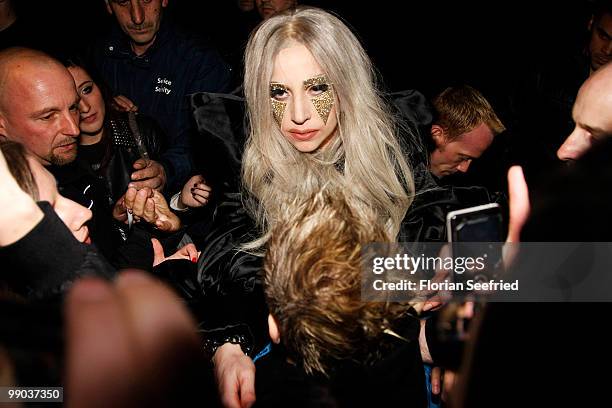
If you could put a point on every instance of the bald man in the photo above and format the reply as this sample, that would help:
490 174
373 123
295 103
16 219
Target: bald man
39 108
39 105
592 114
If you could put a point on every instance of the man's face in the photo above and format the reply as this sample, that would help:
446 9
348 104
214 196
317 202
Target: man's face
600 46
40 109
267 8
593 120
457 155
139 19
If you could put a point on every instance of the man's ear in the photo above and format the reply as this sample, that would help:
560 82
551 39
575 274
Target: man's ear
591 20
273 329
438 135
108 7
165 3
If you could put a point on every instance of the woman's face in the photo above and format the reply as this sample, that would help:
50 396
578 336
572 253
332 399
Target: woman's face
92 106
72 214
303 101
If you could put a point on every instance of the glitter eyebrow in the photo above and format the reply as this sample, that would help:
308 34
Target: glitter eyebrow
277 86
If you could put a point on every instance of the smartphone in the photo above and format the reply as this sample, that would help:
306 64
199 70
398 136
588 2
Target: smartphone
482 223
477 233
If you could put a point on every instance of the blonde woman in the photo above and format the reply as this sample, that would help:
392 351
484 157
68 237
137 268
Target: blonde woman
316 119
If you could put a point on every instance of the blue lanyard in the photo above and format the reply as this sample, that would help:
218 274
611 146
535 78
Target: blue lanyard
266 350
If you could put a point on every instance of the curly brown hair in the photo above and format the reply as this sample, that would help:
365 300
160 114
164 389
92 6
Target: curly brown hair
313 283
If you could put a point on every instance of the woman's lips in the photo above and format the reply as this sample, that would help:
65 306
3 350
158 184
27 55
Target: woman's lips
86 238
307 135
90 118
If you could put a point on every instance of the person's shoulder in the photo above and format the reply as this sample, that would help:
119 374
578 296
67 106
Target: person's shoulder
187 44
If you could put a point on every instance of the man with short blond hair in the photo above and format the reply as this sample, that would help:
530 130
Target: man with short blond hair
463 128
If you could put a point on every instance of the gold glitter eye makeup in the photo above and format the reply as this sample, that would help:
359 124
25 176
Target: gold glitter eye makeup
323 100
278 91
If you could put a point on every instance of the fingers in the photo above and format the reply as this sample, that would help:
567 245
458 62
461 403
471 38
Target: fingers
140 164
433 303
201 194
519 202
129 198
448 384
229 394
235 373
159 320
131 335
125 104
436 374
145 173
198 178
140 201
149 214
191 252
247 388
148 174
120 210
152 183
101 360
158 252
200 200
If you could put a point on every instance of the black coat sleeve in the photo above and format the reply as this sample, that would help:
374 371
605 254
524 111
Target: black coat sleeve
46 261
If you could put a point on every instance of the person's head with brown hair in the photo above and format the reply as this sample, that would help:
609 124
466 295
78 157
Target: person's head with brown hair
35 180
599 46
313 284
463 128
18 165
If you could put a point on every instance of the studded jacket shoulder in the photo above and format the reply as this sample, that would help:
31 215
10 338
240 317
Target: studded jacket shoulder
122 151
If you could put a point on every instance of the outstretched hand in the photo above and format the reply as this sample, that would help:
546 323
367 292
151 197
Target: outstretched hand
148 205
235 374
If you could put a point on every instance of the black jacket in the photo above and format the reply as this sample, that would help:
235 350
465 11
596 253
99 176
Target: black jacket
44 263
158 82
113 164
77 182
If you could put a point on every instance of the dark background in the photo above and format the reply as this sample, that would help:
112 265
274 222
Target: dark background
419 45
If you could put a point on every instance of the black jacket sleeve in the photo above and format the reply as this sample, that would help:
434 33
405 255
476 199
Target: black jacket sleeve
225 290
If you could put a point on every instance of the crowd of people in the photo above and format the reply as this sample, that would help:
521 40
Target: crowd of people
195 229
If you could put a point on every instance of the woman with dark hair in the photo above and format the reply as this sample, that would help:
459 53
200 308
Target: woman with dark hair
115 144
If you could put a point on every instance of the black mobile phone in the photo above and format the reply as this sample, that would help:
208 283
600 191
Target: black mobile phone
476 233
482 223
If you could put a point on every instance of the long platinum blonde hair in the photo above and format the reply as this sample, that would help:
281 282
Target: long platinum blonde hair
364 159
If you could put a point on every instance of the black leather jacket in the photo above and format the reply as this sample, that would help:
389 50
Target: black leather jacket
121 151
